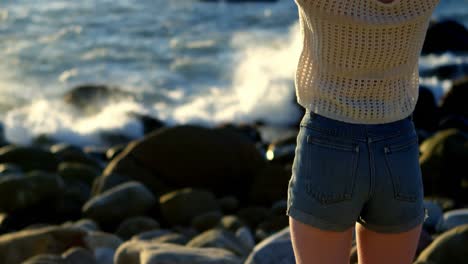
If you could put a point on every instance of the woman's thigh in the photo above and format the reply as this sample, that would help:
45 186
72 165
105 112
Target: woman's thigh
312 245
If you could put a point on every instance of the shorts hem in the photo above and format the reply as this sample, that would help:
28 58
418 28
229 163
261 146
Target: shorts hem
314 221
395 228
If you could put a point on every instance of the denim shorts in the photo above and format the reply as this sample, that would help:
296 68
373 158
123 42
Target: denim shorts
347 172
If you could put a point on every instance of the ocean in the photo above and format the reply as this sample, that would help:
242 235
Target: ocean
183 62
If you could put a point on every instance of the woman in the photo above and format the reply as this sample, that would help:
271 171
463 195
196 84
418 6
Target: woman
357 153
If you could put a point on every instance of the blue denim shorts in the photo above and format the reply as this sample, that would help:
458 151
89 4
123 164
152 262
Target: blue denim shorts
347 172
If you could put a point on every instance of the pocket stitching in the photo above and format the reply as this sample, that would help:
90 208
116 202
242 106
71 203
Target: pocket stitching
395 179
324 198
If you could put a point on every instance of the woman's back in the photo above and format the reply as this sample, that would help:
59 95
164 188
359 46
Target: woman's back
359 62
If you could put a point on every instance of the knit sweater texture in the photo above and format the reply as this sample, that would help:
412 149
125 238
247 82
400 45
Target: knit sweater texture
359 58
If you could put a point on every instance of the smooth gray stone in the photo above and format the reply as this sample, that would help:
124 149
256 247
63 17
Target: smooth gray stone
275 249
453 218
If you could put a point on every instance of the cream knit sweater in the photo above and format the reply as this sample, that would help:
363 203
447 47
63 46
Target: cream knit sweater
359 59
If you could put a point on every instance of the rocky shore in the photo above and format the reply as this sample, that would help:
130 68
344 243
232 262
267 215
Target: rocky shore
191 194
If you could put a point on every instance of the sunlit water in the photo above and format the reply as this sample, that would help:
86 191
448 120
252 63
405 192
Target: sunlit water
185 62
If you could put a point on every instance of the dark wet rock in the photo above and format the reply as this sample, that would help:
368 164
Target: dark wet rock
98 240
47 240
17 193
75 194
274 223
225 161
446 35
29 158
98 153
69 153
270 184
426 114
125 200
275 249
174 238
248 130
84 224
182 255
219 238
229 204
135 225
453 218
112 152
449 247
454 108
78 171
150 124
45 259
282 150
279 207
231 222
78 255
106 182
253 215
165 253
90 96
43 141
245 236
9 168
181 206
152 234
206 220
434 215
443 164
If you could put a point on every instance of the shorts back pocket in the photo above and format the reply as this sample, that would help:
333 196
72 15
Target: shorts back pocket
331 167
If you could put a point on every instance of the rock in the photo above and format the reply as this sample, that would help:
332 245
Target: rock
103 245
248 130
47 240
182 255
443 164
78 171
253 215
181 206
446 35
104 183
245 236
425 239
219 238
270 185
453 104
150 124
87 225
69 153
449 247
151 234
132 251
76 193
279 207
452 218
206 220
18 193
135 225
434 215
225 161
275 249
274 223
120 202
29 158
282 150
426 113
173 238
90 96
229 204
78 255
231 222
45 259
114 151
9 168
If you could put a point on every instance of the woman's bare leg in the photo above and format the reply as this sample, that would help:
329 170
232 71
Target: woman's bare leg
316 246
386 248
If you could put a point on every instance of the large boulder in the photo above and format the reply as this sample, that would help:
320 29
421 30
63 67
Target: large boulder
444 36
29 158
179 207
182 255
449 247
454 110
220 160
275 249
443 161
125 200
137 252
22 192
18 246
